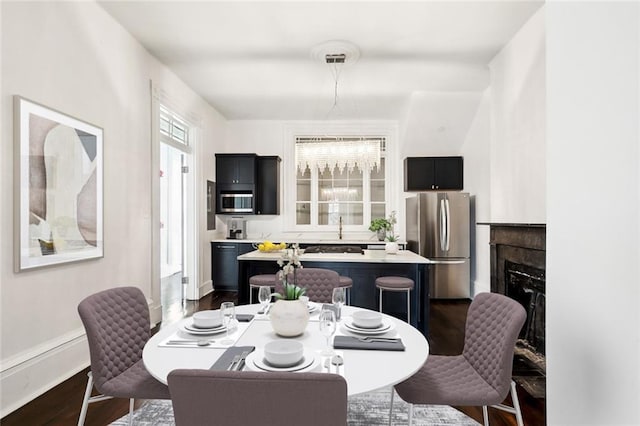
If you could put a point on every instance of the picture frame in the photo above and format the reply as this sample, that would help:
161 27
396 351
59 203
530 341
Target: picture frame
58 182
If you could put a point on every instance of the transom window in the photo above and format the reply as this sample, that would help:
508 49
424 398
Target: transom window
173 127
356 194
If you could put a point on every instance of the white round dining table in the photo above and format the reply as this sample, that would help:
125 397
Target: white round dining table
363 370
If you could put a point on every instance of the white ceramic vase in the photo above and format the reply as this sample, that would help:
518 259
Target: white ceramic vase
391 247
289 318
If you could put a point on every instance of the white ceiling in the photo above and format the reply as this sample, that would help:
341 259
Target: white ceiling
253 60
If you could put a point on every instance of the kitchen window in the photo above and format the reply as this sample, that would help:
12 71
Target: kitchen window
326 194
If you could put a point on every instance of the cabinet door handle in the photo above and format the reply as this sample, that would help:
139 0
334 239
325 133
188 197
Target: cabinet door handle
225 247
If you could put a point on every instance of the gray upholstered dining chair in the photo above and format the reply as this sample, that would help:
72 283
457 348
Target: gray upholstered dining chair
201 397
117 325
318 282
481 375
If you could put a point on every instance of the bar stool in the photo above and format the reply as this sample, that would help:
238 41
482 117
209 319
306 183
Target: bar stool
258 281
347 284
396 284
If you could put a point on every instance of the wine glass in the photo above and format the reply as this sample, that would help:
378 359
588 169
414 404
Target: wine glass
337 298
264 296
327 321
228 314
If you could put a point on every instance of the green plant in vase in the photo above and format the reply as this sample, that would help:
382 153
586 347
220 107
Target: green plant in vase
290 262
289 316
392 239
380 226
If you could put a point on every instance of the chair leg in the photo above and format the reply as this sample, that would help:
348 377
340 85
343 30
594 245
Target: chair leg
250 295
485 415
380 302
131 400
516 404
391 406
85 400
515 409
410 414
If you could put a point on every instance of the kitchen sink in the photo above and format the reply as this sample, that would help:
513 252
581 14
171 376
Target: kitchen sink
334 249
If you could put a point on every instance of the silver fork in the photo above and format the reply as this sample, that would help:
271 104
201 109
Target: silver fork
378 339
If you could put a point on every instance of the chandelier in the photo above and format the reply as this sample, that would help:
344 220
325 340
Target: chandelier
337 152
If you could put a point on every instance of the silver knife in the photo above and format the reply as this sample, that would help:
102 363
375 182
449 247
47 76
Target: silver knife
240 362
234 361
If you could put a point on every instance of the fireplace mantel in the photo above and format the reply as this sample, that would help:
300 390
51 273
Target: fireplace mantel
519 242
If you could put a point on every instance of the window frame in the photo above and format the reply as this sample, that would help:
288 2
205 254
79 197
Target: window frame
383 129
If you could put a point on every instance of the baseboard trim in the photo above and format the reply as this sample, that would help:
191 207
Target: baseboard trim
27 376
205 288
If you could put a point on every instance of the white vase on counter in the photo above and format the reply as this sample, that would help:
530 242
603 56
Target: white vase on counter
289 318
391 247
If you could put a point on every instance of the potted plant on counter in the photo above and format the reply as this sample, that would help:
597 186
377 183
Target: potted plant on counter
289 316
380 227
392 239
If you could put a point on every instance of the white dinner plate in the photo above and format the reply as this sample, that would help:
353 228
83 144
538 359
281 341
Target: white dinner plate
384 328
255 361
189 328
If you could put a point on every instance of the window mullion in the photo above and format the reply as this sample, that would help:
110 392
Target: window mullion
314 196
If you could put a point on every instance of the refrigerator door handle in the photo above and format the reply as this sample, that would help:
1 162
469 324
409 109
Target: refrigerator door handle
448 222
443 227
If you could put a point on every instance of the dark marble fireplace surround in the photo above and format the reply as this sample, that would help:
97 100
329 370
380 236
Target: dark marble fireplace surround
518 271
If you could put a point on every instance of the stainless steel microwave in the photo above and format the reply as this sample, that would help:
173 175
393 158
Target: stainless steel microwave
236 202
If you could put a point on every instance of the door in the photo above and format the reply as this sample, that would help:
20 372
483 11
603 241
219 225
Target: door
443 224
450 279
453 227
172 224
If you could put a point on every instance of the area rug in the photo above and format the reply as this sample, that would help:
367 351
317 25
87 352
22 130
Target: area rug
369 409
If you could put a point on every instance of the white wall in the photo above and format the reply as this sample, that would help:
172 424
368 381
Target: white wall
593 213
505 145
73 57
437 123
518 127
476 152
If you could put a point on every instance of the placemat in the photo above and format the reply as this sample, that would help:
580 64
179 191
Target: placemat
350 342
226 358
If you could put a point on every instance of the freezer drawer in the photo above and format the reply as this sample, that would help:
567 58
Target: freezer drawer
450 279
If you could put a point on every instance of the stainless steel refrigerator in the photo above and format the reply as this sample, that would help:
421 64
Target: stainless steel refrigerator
438 229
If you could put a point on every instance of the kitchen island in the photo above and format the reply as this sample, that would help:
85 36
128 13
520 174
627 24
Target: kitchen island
363 269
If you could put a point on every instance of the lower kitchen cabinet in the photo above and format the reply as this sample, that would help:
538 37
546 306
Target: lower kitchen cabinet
224 264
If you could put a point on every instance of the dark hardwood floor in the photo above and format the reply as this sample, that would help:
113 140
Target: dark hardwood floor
61 405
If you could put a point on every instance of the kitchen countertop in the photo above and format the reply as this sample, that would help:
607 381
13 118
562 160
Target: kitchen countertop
369 256
303 240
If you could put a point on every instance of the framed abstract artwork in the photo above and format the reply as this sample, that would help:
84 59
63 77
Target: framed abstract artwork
58 187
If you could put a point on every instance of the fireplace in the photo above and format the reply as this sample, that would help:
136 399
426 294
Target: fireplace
518 271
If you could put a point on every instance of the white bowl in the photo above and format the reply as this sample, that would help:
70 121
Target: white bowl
283 353
207 319
367 319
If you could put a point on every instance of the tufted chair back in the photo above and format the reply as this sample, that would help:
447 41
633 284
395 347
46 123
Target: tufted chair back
493 324
118 326
318 282
207 397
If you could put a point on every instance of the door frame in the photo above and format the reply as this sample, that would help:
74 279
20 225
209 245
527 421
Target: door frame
191 266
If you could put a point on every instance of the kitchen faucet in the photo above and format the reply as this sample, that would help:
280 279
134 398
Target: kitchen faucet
340 228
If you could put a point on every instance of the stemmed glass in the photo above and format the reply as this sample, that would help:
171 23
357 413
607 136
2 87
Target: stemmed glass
327 328
264 296
228 314
337 298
